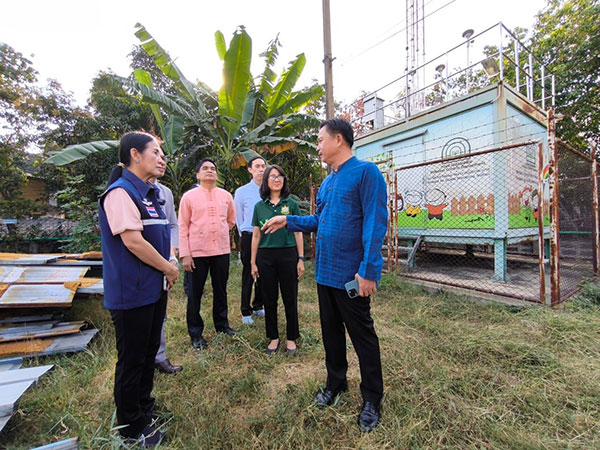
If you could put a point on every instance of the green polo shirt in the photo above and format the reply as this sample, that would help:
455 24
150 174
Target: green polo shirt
263 211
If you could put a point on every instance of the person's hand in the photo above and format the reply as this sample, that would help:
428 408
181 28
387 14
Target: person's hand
366 288
274 224
172 275
300 268
188 263
254 271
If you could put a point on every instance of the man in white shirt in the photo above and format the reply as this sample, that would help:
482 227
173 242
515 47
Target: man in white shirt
244 199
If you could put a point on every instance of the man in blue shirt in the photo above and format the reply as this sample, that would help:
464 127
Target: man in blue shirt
351 223
244 199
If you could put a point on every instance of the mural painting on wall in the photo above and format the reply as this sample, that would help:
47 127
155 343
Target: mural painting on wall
460 194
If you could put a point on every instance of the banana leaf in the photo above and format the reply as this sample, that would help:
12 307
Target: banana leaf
286 84
221 45
80 151
236 79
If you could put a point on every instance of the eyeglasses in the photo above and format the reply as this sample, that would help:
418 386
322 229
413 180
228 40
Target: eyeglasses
276 177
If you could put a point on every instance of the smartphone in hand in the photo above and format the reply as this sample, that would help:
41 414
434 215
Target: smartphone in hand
352 288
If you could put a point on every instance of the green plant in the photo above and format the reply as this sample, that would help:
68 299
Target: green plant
85 235
245 118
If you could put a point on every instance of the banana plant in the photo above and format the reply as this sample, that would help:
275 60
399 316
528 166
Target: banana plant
244 119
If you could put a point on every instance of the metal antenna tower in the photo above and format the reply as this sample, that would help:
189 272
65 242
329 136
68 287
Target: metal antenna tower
415 54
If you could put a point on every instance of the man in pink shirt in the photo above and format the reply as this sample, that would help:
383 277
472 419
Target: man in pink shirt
206 214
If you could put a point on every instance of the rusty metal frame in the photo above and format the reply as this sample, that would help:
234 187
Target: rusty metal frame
541 222
395 218
390 241
574 150
554 212
594 175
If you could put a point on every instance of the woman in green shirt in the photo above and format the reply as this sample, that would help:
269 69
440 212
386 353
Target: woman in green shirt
278 258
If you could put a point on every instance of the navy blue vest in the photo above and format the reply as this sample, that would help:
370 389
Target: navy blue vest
129 282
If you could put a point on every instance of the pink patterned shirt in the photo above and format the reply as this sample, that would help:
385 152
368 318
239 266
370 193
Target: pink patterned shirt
205 218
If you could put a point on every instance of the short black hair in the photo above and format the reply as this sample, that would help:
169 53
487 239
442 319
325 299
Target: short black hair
254 159
341 126
265 192
202 161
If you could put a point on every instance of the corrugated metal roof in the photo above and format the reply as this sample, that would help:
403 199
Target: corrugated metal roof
48 346
34 296
28 275
59 329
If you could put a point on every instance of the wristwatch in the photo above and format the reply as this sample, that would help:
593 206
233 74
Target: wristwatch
172 258
300 258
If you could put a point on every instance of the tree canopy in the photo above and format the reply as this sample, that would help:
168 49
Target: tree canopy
566 36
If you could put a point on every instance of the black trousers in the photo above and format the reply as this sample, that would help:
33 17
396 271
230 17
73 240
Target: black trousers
137 333
218 266
339 311
278 271
247 281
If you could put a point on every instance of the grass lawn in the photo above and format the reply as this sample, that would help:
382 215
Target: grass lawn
457 374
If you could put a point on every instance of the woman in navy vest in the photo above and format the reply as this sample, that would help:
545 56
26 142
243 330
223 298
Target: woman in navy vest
138 269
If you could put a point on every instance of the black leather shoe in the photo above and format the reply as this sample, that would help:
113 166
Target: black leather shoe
368 417
199 343
166 367
325 396
229 331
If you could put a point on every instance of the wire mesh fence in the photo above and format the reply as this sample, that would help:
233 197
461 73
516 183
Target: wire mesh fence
472 221
576 219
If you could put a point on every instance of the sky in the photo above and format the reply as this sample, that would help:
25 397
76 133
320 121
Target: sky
72 40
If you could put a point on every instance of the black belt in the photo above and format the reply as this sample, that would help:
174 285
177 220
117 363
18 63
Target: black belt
246 233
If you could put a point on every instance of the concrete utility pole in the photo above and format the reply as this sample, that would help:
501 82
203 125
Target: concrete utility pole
327 61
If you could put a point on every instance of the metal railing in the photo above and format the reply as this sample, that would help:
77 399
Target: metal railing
514 64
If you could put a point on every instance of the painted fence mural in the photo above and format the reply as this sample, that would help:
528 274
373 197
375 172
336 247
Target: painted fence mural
462 194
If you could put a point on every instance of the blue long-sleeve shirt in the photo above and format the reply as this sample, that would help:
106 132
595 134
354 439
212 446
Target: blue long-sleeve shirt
350 221
244 199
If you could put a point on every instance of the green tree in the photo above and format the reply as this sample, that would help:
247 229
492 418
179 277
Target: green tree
244 118
27 113
567 38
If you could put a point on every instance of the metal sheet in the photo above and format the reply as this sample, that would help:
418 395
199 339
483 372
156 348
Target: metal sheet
30 318
20 259
9 328
67 444
35 296
75 262
4 420
73 343
25 348
10 272
10 364
59 330
48 275
21 375
9 395
49 346
91 286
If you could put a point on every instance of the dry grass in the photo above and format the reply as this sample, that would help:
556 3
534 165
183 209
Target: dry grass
457 375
